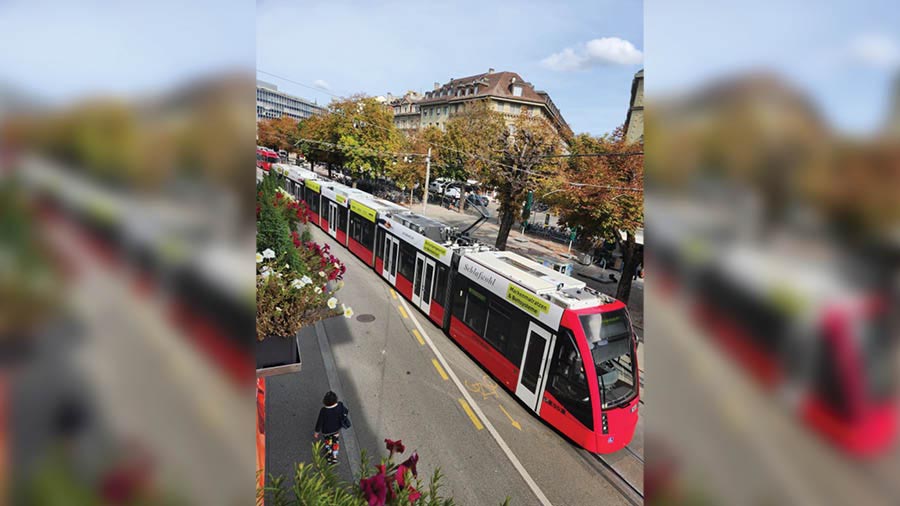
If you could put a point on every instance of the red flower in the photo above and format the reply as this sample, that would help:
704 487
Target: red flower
394 446
375 488
411 462
401 476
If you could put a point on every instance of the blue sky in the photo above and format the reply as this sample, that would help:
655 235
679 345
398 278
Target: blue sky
61 50
394 46
844 54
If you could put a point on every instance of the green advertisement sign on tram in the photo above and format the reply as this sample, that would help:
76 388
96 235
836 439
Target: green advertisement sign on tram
362 210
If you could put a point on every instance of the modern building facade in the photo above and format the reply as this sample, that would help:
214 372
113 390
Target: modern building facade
634 120
273 104
507 93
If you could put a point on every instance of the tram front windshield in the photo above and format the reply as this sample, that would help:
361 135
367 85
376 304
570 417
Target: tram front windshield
609 335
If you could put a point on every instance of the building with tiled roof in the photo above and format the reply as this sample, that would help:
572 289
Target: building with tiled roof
406 110
508 93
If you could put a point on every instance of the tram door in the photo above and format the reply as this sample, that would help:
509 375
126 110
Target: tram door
391 252
333 217
423 282
532 371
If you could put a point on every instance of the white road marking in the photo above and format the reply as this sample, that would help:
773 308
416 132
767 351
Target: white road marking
487 423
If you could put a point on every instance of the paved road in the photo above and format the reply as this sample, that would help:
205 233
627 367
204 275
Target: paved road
737 444
395 391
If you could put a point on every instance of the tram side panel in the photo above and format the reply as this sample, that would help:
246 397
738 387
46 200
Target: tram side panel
361 240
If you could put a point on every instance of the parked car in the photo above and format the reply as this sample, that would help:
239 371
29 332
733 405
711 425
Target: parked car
476 200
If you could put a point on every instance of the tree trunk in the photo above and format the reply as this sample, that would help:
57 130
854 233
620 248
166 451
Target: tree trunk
629 266
506 222
329 170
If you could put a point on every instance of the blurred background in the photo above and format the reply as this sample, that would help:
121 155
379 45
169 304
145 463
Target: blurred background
773 239
126 238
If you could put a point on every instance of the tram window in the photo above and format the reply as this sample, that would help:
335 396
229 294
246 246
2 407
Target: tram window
440 284
313 201
407 260
379 243
342 218
498 323
458 296
568 382
361 230
476 309
828 382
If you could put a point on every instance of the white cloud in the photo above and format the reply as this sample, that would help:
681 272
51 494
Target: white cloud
875 50
602 51
321 84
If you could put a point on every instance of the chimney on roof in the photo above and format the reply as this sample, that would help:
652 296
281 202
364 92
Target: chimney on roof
437 85
491 70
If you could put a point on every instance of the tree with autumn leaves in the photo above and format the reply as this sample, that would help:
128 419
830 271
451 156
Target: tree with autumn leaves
278 134
602 195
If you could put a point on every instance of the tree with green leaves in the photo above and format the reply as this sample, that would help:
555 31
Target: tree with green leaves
608 200
522 163
469 145
359 133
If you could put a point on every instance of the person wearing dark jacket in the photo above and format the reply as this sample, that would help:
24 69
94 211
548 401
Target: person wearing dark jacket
329 424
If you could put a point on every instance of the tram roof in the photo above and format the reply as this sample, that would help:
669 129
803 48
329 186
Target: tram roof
526 272
298 172
378 204
562 290
431 228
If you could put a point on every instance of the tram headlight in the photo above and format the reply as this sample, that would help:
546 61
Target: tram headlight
634 407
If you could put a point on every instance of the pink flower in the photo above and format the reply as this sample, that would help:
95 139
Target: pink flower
375 488
411 462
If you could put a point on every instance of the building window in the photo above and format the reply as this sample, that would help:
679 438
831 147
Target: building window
517 91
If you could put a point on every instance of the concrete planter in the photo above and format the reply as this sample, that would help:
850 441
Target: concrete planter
277 355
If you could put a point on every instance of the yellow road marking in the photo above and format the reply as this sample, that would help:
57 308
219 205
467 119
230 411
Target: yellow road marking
514 423
440 369
393 294
468 410
419 337
402 312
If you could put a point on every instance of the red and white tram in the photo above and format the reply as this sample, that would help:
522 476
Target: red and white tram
564 350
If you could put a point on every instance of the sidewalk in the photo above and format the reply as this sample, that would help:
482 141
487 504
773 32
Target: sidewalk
292 406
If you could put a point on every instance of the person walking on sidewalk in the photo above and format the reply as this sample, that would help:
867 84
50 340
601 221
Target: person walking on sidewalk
332 418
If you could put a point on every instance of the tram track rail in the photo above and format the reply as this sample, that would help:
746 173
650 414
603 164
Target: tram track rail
631 492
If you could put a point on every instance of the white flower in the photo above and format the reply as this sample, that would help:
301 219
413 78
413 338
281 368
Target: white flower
268 253
322 274
265 274
277 309
297 284
348 312
259 258
318 290
287 266
332 303
306 280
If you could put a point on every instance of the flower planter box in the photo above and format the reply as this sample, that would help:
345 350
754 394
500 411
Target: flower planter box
277 355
